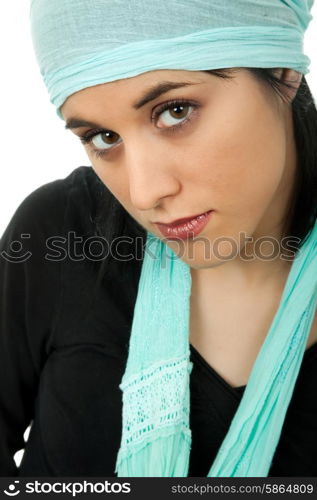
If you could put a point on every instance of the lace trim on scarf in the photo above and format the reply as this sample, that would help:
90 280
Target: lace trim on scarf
156 398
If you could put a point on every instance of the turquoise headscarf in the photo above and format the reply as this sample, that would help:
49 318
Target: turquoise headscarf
81 43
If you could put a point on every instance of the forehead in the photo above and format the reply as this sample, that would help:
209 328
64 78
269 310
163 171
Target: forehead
128 89
135 92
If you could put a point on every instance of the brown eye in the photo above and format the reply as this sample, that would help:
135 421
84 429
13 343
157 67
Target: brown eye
104 138
179 111
174 115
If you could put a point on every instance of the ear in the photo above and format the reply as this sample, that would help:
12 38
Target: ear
291 77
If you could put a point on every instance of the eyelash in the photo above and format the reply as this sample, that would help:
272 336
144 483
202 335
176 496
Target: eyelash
88 137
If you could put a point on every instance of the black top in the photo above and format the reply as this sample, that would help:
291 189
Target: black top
64 346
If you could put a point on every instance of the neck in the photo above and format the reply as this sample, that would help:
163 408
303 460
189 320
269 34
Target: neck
247 270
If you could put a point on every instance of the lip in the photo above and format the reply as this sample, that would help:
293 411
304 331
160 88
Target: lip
177 222
185 228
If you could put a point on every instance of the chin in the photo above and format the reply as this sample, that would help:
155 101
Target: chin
206 264
197 256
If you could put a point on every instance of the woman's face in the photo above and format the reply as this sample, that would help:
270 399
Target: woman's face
227 146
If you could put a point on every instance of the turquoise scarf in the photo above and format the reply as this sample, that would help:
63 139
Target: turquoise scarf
80 43
156 437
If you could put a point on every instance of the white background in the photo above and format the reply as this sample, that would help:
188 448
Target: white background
35 147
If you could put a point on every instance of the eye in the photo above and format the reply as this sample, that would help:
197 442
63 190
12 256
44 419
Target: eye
105 139
173 113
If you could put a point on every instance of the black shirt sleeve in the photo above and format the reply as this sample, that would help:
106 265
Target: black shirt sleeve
29 294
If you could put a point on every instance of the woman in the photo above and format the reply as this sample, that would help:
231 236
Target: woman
139 346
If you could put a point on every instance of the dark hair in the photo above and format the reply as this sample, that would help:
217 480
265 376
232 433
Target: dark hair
113 221
302 210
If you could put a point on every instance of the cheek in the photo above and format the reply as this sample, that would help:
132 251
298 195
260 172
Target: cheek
244 160
117 185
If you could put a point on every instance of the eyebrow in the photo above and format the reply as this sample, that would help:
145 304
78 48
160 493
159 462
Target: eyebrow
150 94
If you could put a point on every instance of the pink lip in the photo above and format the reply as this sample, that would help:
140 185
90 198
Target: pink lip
186 227
177 222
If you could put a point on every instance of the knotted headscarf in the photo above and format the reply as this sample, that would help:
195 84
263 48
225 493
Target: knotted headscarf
82 43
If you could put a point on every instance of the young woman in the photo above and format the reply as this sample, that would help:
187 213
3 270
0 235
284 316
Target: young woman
207 325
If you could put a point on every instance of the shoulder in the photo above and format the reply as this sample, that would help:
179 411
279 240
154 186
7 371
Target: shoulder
35 242
59 205
39 273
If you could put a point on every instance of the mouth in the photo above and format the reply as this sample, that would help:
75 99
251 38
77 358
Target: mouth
185 228
177 222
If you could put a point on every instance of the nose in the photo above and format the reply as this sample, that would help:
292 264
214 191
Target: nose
151 177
